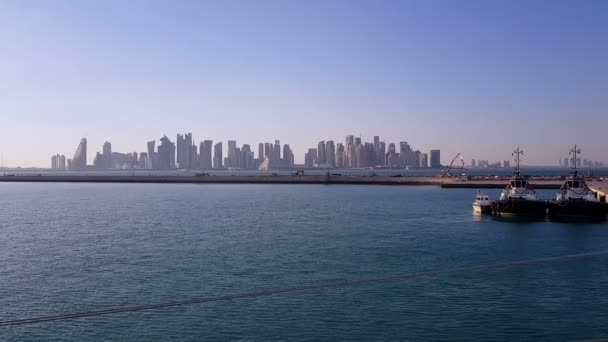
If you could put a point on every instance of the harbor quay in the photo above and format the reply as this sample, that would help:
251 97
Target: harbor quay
599 187
445 182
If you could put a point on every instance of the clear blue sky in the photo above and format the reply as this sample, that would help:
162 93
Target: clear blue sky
476 77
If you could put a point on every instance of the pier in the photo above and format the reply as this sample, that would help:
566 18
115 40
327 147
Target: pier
449 183
600 189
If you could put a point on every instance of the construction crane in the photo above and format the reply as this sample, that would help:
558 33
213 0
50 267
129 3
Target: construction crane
447 173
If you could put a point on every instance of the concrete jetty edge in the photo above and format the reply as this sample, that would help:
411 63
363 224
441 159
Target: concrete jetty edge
378 180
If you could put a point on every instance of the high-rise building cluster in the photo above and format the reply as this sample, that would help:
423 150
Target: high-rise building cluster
184 154
484 163
58 162
354 153
582 163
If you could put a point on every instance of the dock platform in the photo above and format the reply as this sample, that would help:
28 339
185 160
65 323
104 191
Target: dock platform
600 188
449 183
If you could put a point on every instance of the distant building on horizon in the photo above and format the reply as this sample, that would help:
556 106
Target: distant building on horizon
340 155
184 151
321 159
310 158
330 153
107 156
424 160
288 156
58 162
79 161
206 151
435 159
217 156
166 154
152 157
231 159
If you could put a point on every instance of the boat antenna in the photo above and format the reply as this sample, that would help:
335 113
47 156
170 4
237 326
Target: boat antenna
574 152
517 153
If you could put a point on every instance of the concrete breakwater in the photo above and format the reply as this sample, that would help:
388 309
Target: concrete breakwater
308 179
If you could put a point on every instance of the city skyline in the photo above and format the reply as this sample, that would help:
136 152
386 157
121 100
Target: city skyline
472 77
184 153
353 152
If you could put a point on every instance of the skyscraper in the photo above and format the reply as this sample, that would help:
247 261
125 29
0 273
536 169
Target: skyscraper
267 152
424 160
166 154
276 154
151 163
365 155
330 153
321 159
194 161
288 157
377 155
392 159
143 159
246 157
350 151
260 152
340 155
205 154
107 156
54 162
184 151
61 162
79 162
217 156
99 162
435 159
237 162
352 155
310 158
231 154
382 154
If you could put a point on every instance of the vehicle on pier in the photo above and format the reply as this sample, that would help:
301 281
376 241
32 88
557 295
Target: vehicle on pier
519 197
575 198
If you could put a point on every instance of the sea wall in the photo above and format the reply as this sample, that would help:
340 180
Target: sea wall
435 181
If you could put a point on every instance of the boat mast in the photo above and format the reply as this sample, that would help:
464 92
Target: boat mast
517 153
574 152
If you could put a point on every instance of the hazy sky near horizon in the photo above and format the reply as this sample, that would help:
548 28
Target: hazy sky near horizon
477 77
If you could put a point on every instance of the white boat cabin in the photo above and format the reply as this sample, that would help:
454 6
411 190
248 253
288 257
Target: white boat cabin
518 188
576 188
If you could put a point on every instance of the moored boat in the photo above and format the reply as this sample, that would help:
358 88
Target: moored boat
482 204
519 197
575 199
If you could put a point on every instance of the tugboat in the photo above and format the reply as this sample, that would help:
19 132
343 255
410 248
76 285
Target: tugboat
575 199
519 198
482 204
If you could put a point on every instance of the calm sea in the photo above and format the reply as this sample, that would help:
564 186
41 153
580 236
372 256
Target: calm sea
79 247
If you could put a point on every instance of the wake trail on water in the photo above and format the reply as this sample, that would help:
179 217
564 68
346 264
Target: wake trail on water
302 288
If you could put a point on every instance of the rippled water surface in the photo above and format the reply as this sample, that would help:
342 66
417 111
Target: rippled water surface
79 247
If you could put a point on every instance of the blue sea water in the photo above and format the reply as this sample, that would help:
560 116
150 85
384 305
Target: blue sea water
79 247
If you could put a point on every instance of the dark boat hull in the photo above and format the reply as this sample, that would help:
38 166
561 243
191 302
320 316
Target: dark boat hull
520 207
578 208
